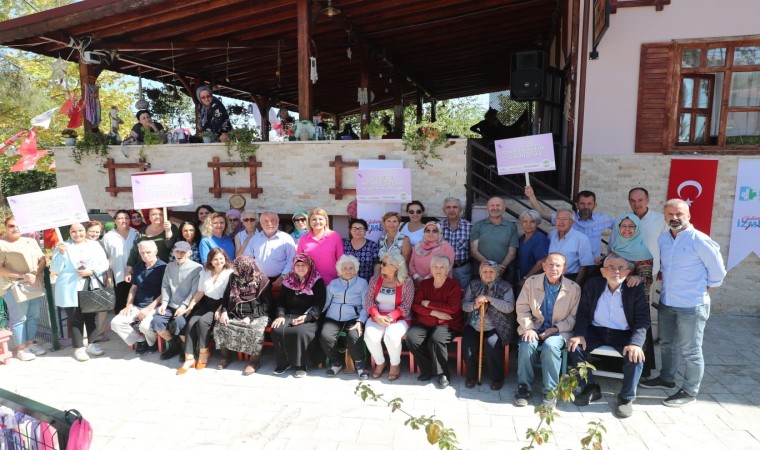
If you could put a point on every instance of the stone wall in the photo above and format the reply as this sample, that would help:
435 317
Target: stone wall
294 175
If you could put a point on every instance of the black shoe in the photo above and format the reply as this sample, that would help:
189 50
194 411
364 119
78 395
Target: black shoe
624 408
443 381
151 348
280 370
425 377
141 348
679 399
657 383
590 393
171 352
522 396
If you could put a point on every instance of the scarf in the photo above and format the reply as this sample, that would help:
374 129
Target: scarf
306 284
424 248
633 248
247 281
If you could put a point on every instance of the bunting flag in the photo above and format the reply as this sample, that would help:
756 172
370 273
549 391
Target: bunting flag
76 114
43 120
28 146
745 226
13 139
693 180
27 162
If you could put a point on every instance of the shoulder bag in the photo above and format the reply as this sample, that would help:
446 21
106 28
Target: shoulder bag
96 299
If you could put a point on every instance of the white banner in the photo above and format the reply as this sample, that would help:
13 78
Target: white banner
48 209
373 212
745 227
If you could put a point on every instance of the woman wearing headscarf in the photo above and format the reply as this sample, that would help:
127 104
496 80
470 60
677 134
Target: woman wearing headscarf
300 226
136 220
298 311
432 244
629 244
499 323
235 224
244 314
213 115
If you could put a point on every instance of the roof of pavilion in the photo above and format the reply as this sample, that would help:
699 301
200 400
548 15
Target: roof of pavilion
448 48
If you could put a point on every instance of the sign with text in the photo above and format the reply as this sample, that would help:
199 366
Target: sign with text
48 209
525 154
383 185
155 191
745 226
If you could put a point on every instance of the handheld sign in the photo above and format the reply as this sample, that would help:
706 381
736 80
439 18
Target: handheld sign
155 191
383 185
48 209
525 154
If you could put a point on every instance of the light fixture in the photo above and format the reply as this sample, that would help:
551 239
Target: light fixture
330 10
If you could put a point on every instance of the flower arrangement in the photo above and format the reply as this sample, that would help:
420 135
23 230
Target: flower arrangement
424 141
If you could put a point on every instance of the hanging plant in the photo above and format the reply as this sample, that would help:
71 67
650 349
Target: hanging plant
424 142
93 143
242 140
153 94
236 110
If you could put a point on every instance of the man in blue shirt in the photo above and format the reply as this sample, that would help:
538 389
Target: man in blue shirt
692 266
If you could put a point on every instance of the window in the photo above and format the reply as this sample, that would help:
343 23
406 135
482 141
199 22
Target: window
699 96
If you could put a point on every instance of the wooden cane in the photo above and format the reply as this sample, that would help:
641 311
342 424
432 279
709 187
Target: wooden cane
482 331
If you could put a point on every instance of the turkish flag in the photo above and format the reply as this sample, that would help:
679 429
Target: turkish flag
27 162
28 146
693 180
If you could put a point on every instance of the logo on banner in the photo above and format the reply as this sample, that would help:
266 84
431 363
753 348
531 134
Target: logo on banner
746 194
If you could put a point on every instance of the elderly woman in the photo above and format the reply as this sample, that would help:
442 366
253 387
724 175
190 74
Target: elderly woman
213 115
431 245
496 296
322 244
299 308
344 312
244 236
437 320
389 305
300 225
393 241
201 213
158 231
118 244
75 261
235 225
144 124
244 315
360 247
189 233
204 308
94 230
534 245
629 244
413 229
215 236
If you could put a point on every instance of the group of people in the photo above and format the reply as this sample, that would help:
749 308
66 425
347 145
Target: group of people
424 282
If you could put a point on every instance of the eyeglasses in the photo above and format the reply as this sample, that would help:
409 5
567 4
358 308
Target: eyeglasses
136 217
300 219
617 268
205 96
434 231
233 219
415 211
358 229
249 219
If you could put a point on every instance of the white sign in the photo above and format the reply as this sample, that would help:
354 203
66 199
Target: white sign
155 191
48 209
745 226
525 154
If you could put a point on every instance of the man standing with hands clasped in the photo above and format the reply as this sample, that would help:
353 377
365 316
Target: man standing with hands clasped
611 313
692 266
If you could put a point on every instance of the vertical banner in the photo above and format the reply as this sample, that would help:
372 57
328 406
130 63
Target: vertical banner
693 180
745 226
373 212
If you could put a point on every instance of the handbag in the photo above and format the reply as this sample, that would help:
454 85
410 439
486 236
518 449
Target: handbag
98 299
25 291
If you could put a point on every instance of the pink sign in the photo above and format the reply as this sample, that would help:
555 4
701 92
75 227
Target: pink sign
48 209
155 191
383 185
525 154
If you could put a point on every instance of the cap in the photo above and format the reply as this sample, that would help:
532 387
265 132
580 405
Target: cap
182 246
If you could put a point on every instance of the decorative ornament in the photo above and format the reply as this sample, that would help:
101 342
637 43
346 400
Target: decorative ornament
141 103
362 96
313 73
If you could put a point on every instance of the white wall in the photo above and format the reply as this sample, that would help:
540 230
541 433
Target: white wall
612 80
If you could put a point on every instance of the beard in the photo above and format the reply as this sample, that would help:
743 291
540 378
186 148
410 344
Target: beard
676 225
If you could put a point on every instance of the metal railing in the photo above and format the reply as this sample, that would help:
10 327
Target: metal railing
36 434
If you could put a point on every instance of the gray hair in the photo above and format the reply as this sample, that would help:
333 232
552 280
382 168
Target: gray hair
271 214
568 210
396 259
147 242
347 259
531 214
614 255
249 212
452 199
441 259
676 203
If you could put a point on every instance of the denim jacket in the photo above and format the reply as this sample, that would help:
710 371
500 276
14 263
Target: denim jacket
345 300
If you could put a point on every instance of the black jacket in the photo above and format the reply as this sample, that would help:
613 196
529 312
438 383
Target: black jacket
635 307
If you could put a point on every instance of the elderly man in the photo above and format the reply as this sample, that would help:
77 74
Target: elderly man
546 311
244 236
456 231
147 278
585 220
179 285
573 244
611 313
494 238
692 266
273 251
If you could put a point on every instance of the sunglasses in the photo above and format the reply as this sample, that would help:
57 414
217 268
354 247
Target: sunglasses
233 219
434 231
300 219
249 219
414 211
205 96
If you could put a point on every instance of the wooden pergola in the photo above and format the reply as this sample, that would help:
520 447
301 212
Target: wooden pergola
400 51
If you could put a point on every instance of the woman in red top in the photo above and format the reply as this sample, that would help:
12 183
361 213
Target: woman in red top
437 320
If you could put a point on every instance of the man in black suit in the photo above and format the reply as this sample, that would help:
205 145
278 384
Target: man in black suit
616 314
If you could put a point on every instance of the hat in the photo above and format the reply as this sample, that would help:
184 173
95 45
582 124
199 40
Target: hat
233 212
300 212
182 246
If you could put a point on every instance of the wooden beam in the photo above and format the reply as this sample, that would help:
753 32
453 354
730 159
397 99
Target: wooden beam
304 39
659 5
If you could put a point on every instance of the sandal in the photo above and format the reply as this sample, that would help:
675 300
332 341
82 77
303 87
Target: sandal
378 371
249 369
189 364
394 373
222 364
202 359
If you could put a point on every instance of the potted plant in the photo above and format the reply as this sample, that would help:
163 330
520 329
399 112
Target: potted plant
208 136
424 141
242 140
375 130
69 136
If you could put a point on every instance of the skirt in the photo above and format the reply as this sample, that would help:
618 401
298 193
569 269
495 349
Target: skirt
239 337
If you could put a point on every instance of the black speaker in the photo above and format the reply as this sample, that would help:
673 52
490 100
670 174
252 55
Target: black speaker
527 71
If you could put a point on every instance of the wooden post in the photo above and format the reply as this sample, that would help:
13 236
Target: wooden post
419 105
432 110
304 83
264 103
88 74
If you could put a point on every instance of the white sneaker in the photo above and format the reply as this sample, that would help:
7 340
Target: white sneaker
38 350
81 355
94 350
25 355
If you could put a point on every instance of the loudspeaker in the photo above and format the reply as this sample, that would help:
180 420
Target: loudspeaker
527 70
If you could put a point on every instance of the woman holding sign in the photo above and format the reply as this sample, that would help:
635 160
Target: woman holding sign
75 261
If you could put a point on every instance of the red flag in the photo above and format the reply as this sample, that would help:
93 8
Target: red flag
27 162
28 146
693 180
76 115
